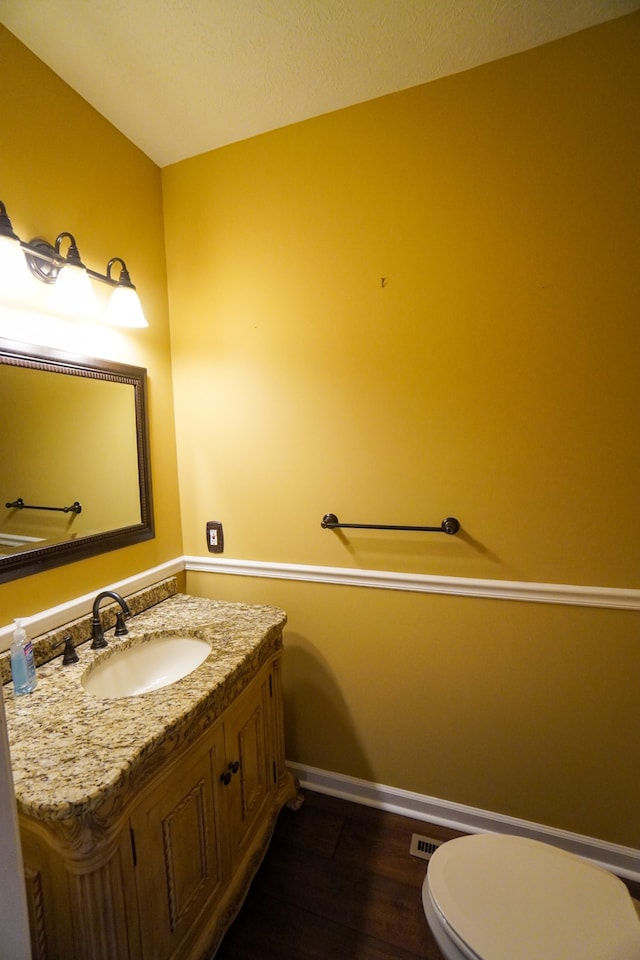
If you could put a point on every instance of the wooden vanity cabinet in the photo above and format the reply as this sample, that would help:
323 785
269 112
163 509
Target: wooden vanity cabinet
182 856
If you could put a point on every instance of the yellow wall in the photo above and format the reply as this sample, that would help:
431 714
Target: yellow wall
64 167
494 376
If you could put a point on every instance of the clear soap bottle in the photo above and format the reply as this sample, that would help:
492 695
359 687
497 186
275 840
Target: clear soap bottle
23 668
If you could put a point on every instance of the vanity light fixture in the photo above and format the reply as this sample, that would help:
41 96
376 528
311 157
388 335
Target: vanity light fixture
124 308
73 293
14 276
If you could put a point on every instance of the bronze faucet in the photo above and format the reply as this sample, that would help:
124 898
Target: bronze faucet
96 626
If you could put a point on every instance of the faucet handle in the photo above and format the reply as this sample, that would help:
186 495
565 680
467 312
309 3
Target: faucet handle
97 633
70 655
121 629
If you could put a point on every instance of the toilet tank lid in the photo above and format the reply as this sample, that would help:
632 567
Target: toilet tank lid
509 897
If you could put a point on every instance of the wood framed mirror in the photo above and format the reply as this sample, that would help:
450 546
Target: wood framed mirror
75 477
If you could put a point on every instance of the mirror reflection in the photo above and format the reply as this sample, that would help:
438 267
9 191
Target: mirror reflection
74 469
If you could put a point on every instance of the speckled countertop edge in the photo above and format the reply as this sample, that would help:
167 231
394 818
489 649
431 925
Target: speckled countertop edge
71 751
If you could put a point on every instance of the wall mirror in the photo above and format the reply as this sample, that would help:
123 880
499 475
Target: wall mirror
74 458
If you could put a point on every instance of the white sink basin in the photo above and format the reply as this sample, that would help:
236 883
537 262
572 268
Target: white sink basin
144 666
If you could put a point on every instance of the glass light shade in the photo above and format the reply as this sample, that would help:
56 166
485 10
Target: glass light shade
73 293
124 309
15 279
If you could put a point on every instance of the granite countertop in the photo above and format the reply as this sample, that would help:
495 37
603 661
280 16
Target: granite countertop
72 752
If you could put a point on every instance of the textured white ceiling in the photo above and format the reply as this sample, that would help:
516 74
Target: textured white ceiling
180 77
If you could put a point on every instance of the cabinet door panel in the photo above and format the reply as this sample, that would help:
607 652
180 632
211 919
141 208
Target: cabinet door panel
178 861
247 743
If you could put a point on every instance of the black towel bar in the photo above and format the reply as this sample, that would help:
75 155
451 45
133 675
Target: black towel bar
330 522
19 504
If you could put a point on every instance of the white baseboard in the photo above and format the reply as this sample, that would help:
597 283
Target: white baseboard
623 861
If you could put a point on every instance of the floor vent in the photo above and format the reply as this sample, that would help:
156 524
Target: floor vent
423 847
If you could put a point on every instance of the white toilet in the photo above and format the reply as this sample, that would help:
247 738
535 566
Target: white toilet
497 897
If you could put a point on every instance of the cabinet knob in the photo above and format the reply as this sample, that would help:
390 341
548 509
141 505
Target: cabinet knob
233 767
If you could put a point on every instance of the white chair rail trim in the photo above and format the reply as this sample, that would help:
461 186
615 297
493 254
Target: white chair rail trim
621 860
608 597
584 596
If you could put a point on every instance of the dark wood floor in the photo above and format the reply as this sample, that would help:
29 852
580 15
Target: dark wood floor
337 883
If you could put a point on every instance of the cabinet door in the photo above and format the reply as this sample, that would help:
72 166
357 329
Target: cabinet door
248 778
176 839
48 903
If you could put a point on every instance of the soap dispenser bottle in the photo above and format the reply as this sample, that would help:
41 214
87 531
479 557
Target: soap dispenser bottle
23 668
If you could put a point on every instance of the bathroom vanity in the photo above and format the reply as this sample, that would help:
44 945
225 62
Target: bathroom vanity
143 819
